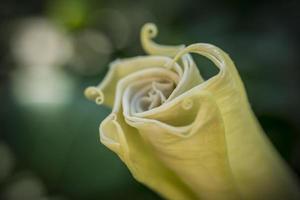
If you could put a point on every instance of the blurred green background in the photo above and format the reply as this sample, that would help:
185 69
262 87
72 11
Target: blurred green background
51 50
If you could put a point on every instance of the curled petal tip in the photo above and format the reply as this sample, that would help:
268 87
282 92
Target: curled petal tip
149 30
99 100
187 104
94 94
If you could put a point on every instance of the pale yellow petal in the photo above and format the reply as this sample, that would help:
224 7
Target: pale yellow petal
259 171
194 148
104 93
138 156
148 32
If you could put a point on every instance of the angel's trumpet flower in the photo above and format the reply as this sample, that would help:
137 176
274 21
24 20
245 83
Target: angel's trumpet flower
186 137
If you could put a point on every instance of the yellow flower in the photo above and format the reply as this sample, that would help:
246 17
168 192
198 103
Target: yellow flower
186 137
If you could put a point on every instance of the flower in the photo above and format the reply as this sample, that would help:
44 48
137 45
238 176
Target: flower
186 137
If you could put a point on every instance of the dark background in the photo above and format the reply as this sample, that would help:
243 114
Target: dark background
51 50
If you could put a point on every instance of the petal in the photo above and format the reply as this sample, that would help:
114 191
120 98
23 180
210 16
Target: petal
150 31
196 152
140 78
105 91
257 168
140 159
